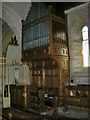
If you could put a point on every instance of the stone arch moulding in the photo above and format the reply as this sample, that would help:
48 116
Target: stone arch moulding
78 24
5 40
12 19
14 22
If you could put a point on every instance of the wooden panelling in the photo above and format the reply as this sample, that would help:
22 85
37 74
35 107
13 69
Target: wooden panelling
78 96
18 96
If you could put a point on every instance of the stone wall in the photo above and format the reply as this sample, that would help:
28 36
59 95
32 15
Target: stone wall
0 60
77 18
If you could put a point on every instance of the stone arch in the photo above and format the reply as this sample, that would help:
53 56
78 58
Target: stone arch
15 25
12 14
7 33
12 19
77 24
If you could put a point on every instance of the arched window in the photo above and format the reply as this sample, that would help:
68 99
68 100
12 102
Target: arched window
85 46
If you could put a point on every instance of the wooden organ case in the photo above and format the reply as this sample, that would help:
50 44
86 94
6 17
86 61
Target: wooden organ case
44 50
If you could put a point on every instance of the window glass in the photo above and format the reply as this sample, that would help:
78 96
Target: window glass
85 47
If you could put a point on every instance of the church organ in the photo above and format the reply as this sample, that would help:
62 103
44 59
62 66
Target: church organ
44 50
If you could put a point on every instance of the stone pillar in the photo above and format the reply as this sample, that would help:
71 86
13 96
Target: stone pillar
77 18
0 60
89 31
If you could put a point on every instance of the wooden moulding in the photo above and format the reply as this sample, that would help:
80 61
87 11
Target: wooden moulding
37 53
42 19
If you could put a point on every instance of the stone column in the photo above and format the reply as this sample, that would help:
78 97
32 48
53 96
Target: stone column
77 18
0 60
89 32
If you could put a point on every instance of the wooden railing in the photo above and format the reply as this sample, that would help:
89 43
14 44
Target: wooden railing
77 96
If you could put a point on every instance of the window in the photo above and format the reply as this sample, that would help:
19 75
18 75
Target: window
85 46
